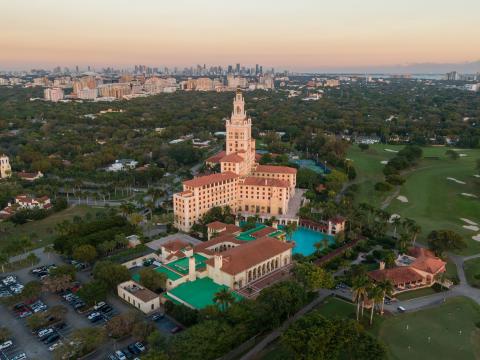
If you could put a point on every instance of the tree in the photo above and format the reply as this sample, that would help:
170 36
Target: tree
57 283
363 147
4 260
375 295
110 273
387 289
32 258
93 292
290 229
224 299
360 286
314 337
441 241
312 277
152 279
85 253
4 334
452 154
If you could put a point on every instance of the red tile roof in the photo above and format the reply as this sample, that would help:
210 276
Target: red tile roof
222 238
249 254
216 158
210 179
256 181
418 251
216 225
233 158
429 264
263 232
175 245
275 169
398 276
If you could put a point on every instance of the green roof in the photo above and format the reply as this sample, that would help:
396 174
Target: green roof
199 293
246 235
181 265
171 275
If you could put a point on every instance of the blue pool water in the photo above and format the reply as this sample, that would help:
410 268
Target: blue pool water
305 240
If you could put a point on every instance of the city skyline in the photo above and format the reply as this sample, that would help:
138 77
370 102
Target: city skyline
304 36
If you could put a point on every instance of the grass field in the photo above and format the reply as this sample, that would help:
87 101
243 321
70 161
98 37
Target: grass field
450 327
42 231
472 269
444 332
415 294
433 201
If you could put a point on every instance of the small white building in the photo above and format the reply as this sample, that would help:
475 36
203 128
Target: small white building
5 168
141 298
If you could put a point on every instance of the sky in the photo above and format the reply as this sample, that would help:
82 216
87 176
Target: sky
300 35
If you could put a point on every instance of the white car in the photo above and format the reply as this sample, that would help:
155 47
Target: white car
45 332
6 344
54 346
99 305
120 355
21 356
93 315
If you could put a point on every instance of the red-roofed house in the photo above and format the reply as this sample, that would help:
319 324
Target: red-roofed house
412 272
218 227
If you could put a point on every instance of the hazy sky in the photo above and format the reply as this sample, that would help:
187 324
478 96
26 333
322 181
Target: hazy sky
297 34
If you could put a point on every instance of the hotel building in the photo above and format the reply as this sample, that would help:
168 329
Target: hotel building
244 185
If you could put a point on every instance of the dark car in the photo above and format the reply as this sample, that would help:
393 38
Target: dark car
133 349
96 319
127 353
157 317
52 338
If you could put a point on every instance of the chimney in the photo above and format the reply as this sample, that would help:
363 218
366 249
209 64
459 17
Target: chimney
192 274
382 265
218 259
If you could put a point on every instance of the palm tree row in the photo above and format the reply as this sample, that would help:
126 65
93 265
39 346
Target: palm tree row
363 290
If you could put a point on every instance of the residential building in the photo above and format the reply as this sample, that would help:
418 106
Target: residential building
53 94
242 184
27 176
5 168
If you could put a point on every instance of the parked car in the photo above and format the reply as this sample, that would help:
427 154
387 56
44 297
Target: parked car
401 309
156 317
6 344
127 353
133 349
21 356
120 355
99 305
93 315
140 346
44 333
52 338
55 346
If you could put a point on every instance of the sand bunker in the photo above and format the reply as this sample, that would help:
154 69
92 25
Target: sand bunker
390 150
468 221
457 181
469 195
402 198
393 217
471 227
476 237
477 175
384 162
462 155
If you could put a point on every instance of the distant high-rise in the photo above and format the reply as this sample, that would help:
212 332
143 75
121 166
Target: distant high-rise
256 69
237 68
53 94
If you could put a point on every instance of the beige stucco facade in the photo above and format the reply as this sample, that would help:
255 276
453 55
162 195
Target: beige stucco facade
5 169
242 184
141 298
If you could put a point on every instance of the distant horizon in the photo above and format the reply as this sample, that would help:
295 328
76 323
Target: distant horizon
301 36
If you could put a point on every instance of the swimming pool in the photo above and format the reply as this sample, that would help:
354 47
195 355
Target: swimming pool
305 240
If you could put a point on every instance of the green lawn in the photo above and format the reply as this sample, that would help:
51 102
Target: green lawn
415 294
472 272
450 327
369 170
42 231
433 201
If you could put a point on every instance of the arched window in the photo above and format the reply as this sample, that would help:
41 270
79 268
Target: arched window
238 110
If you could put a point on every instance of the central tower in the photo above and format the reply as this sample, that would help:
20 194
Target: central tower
239 132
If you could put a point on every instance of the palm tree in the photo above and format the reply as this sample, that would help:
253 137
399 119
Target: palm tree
396 221
3 261
290 229
224 298
375 295
387 289
359 291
